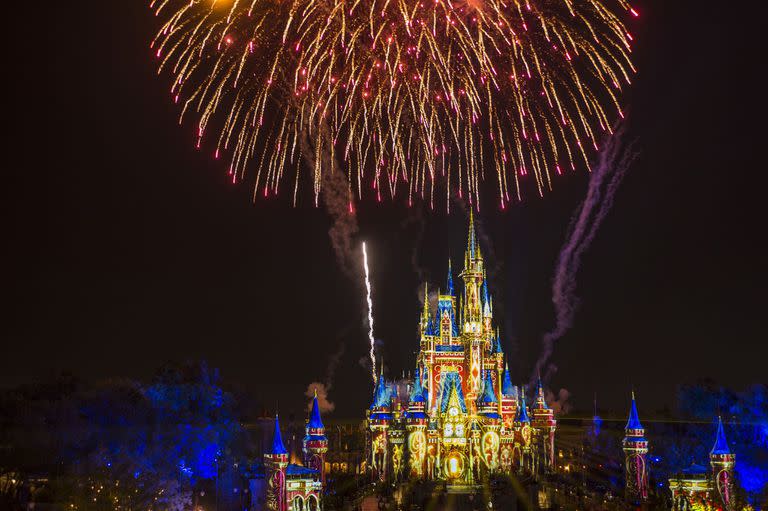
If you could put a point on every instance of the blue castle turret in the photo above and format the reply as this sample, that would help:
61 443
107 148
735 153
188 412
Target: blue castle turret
635 447
488 404
275 465
507 389
417 392
382 397
721 444
496 349
417 400
722 462
522 411
278 447
449 281
315 443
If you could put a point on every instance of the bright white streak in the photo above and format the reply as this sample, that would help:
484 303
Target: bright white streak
370 312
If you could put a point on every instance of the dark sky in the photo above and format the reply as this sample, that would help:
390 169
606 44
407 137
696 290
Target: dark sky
125 247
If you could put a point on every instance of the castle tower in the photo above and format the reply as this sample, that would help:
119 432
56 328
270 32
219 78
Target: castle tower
722 461
275 465
446 326
508 400
473 320
635 447
315 443
544 421
487 311
488 407
380 416
488 404
416 424
496 362
525 433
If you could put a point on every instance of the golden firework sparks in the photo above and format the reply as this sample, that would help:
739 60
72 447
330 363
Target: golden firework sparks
413 96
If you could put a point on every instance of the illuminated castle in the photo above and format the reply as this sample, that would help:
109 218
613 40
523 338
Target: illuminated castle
460 418
700 488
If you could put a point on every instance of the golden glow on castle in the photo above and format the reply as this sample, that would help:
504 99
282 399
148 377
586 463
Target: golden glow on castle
460 419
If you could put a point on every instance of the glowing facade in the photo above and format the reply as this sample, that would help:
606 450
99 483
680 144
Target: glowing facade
460 418
635 447
696 487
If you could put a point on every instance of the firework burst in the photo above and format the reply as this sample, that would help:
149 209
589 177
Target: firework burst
415 97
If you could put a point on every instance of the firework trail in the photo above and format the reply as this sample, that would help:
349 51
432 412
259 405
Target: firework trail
612 165
370 313
422 97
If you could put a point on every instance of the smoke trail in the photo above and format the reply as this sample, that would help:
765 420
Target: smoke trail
323 403
416 217
336 198
559 403
605 179
324 388
370 313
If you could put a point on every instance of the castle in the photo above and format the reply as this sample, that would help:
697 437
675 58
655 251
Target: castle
460 418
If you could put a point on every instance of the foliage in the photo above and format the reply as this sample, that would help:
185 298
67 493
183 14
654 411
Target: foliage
125 444
745 415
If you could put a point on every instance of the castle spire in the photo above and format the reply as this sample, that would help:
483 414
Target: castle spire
471 240
634 418
721 444
449 282
278 447
496 348
417 393
522 413
315 422
635 447
381 396
425 311
507 388
488 396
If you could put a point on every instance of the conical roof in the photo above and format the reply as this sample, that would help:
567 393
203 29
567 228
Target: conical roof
315 422
277 440
507 388
417 393
634 419
488 396
721 444
522 413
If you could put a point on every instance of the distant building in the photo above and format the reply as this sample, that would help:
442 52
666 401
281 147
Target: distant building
698 487
460 418
285 486
346 453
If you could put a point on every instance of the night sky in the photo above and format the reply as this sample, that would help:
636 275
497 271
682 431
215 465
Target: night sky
126 248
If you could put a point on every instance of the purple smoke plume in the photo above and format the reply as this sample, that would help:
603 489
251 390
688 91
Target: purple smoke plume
613 162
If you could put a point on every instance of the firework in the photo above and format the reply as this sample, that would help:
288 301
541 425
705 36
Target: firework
370 313
415 97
